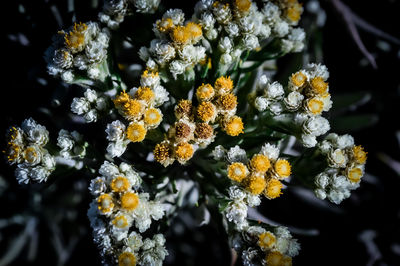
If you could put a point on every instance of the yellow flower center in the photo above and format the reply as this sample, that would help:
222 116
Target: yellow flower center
183 108
243 5
275 258
319 86
136 132
120 221
360 156
165 25
180 35
234 126
223 84
193 30
13 152
126 259
205 92
129 201
75 39
315 106
30 154
184 151
121 99
260 163
162 152
298 79
105 203
255 184
227 101
266 240
206 111
148 73
203 131
182 130
120 184
283 168
152 117
273 189
355 174
144 93
237 171
293 13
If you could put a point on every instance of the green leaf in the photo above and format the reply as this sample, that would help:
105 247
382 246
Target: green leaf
350 101
353 122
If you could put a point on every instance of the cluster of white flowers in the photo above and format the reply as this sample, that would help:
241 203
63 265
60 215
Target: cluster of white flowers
176 48
26 148
300 107
71 144
89 106
114 11
345 168
139 107
79 53
195 125
238 25
119 214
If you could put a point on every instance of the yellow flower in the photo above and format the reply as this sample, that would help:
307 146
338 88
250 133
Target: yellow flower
227 101
260 163
319 86
184 151
180 35
129 201
75 39
275 258
354 174
184 109
255 184
242 5
105 203
298 79
273 189
234 126
203 131
237 171
165 25
136 132
144 93
282 168
162 152
193 30
152 117
205 92
293 13
266 240
206 111
120 221
223 84
120 184
126 259
359 155
315 106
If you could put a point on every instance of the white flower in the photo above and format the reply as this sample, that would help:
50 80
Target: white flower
176 68
250 42
321 180
309 140
91 116
164 52
218 153
325 146
101 104
317 70
294 248
235 193
67 76
177 16
146 6
236 154
320 193
97 186
154 251
316 126
232 29
260 103
262 82
281 28
339 182
271 151
65 141
48 162
225 45
90 95
63 58
236 212
36 133
293 100
117 148
134 241
276 108
335 196
344 141
144 53
207 21
274 91
108 169
161 95
22 174
271 12
226 59
115 131
337 158
93 72
80 106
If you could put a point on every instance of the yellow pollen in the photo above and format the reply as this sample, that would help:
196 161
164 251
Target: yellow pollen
180 35
144 93
234 126
227 101
30 154
283 168
148 73
243 5
75 39
205 92
121 100
126 259
275 258
237 171
152 117
266 240
165 25
120 221
260 163
13 151
80 27
184 109
136 132
315 106
298 79
293 13
203 131
184 151
273 189
105 203
319 86
223 83
120 184
193 30
255 184
360 156
129 201
355 174
206 111
182 130
162 152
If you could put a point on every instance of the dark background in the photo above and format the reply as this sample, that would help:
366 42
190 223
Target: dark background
364 230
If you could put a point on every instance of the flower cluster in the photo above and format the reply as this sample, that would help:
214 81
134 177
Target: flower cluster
345 167
114 11
26 147
195 124
299 108
79 52
89 106
139 107
71 144
119 214
176 48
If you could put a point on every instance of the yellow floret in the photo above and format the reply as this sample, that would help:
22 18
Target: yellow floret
359 155
180 35
273 189
298 79
165 25
184 109
105 203
293 13
184 151
145 94
227 101
30 154
243 5
237 171
120 221
162 152
129 201
260 163
266 240
275 258
234 126
136 132
354 174
121 99
120 184
255 184
193 30
319 86
224 84
206 111
152 117
205 92
282 168
75 39
126 259
13 152
315 106
148 73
